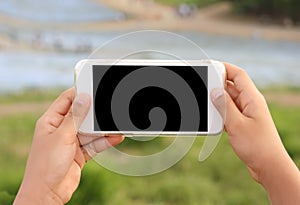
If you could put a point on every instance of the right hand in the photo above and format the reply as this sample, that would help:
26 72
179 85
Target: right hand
254 138
248 122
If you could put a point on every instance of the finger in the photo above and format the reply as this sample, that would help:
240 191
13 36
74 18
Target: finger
243 91
86 139
232 91
240 78
56 112
81 106
236 96
101 144
79 158
227 108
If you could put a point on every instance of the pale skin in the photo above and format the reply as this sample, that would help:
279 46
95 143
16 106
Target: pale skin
57 158
254 137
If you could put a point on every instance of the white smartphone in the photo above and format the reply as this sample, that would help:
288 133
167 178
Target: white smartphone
150 97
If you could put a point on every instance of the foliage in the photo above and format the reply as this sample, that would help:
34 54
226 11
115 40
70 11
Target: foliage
274 9
198 3
6 198
222 179
31 95
271 8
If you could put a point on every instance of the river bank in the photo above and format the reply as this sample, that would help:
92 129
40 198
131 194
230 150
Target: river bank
51 49
215 19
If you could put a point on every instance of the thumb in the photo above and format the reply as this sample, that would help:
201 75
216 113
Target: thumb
226 107
81 106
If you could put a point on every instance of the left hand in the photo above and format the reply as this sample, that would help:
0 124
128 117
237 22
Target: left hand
56 157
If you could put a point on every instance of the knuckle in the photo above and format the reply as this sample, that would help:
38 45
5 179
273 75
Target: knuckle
242 72
262 98
42 121
67 94
46 123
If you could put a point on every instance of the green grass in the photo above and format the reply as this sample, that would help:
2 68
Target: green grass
16 133
287 122
282 88
31 95
222 179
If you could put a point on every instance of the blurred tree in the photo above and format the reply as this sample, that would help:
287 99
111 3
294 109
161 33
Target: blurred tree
278 9
6 198
288 11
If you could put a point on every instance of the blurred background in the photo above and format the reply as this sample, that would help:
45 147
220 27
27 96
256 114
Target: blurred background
41 41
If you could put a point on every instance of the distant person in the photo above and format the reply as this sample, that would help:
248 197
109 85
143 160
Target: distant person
185 10
57 158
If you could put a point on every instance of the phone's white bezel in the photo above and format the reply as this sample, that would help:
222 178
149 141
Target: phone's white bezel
84 84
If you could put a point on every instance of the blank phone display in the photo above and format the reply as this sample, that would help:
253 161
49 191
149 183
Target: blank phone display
150 98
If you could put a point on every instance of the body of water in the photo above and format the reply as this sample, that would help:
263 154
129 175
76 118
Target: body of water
58 10
267 62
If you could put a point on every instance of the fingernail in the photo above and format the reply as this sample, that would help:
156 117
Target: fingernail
114 140
217 93
82 99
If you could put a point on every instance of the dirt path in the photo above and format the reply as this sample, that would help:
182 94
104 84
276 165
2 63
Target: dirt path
212 19
23 108
283 99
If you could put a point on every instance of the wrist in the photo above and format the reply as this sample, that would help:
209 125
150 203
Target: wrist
36 195
281 180
272 159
